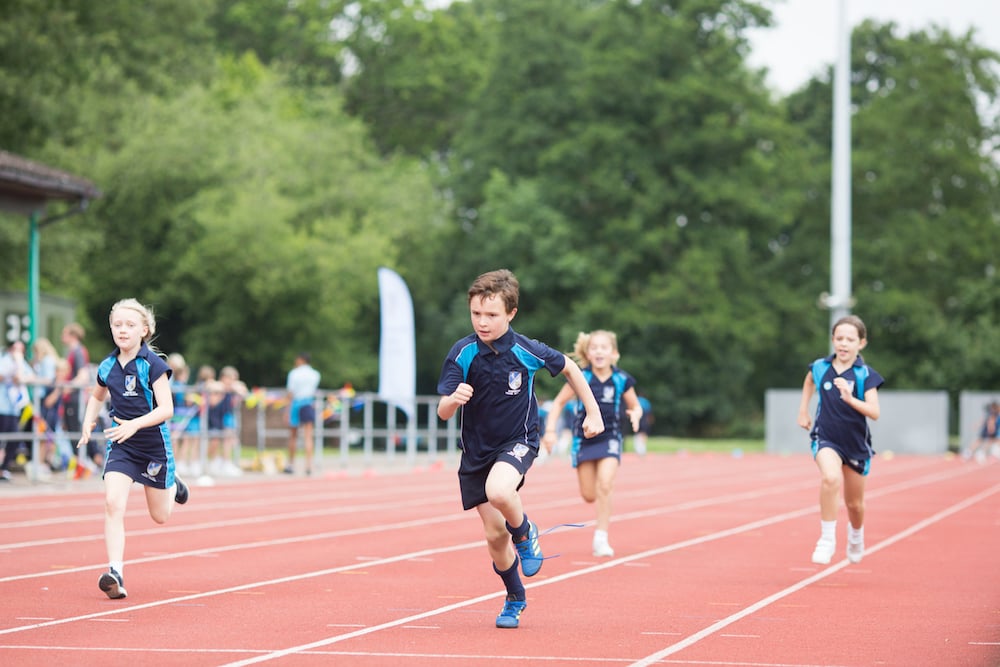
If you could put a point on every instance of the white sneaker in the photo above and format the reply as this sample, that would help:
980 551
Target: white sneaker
855 551
603 550
824 551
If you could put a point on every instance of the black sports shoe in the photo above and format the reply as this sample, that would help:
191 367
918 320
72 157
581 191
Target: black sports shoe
112 584
181 495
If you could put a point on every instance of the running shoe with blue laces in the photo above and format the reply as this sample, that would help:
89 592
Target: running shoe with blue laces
530 551
510 615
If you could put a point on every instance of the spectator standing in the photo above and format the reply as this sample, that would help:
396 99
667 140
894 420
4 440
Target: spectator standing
197 399
228 393
184 411
78 356
14 372
301 384
989 432
50 368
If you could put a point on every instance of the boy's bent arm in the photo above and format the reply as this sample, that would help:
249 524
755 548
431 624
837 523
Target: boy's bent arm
593 423
449 405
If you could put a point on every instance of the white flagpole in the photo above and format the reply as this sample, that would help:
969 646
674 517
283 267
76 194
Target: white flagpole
840 299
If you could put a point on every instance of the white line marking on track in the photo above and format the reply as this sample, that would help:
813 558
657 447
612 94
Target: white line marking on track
715 627
461 607
649 660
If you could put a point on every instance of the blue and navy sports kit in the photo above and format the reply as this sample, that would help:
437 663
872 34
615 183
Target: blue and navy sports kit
302 383
184 414
609 397
837 424
147 457
222 415
500 421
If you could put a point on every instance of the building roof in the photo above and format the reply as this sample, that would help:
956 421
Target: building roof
26 186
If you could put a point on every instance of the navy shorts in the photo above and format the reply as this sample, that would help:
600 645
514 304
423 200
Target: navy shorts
302 411
141 466
585 451
472 481
858 465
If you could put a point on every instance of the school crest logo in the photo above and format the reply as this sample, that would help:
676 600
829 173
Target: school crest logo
827 386
519 451
130 382
153 469
514 382
609 395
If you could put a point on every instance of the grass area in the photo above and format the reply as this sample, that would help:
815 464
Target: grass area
673 445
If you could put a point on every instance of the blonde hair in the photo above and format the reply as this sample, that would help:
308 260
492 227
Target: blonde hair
579 353
44 348
148 319
177 364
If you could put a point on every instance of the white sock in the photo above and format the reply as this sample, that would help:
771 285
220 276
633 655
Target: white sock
118 566
828 530
600 537
855 535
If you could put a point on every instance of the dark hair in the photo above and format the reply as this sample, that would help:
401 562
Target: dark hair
500 283
304 356
854 321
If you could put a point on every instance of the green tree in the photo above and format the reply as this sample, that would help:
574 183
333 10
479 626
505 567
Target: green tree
925 201
52 51
414 70
253 217
297 39
650 173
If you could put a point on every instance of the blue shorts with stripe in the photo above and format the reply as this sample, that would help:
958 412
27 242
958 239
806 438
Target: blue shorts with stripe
144 465
862 466
302 411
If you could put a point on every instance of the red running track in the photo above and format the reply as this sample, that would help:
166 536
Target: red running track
712 567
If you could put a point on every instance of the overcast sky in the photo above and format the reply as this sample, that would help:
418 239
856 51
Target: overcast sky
803 41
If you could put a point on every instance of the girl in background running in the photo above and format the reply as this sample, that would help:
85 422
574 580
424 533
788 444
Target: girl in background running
597 459
841 441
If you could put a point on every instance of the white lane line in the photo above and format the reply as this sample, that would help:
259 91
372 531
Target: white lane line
819 576
646 554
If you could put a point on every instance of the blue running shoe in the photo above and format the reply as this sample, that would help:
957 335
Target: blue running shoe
510 615
112 584
530 551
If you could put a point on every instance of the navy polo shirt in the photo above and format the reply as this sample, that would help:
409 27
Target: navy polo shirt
130 392
838 422
609 395
503 410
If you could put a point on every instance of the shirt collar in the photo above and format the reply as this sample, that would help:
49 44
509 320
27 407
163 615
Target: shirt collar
502 344
859 361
